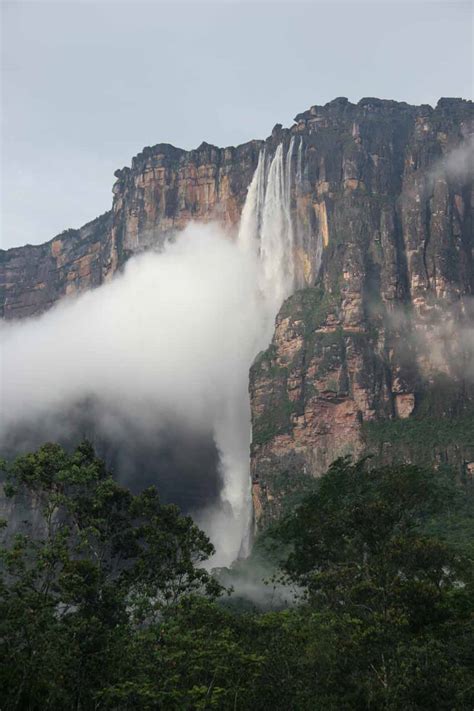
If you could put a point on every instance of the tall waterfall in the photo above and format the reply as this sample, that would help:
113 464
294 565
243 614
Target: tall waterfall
279 225
268 233
266 225
279 238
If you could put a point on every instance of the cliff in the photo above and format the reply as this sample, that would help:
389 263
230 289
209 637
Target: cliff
371 357
163 190
373 352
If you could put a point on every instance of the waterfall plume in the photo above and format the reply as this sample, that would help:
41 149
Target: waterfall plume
271 224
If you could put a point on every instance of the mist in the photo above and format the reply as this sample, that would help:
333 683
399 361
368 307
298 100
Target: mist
457 165
155 361
446 341
442 341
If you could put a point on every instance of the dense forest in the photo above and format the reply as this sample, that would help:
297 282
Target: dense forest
106 602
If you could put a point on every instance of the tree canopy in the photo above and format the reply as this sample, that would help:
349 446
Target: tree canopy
105 603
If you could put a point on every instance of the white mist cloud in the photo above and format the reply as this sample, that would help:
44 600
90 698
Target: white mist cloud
442 339
457 165
447 342
171 339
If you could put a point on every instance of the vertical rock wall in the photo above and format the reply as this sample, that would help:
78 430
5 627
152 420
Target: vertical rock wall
375 337
163 190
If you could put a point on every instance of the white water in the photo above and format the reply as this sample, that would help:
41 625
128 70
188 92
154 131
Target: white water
266 226
266 232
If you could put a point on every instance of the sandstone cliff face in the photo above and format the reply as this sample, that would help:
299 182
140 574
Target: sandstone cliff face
163 190
167 187
34 277
376 338
368 355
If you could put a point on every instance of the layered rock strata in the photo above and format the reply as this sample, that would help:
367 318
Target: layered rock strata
163 190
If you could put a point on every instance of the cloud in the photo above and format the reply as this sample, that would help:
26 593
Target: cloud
459 163
441 339
165 347
456 166
447 340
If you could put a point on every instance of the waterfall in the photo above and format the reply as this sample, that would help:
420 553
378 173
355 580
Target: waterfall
275 228
267 233
252 210
267 238
266 226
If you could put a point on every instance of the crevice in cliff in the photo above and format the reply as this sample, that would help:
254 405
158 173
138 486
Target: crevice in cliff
403 282
304 365
426 243
467 238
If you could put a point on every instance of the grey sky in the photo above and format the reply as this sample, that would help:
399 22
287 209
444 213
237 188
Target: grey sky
87 84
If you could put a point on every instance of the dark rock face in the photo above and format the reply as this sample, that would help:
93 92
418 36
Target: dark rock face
368 357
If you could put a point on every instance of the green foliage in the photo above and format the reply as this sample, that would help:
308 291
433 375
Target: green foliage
364 550
440 422
93 560
423 433
274 420
309 306
308 310
103 605
329 347
264 358
292 486
455 523
444 397
195 659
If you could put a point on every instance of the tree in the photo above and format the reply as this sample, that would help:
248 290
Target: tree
362 553
90 558
103 604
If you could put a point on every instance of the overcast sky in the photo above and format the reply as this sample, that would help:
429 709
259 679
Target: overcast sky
87 84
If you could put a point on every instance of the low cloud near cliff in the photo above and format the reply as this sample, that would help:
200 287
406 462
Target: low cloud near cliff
448 340
457 165
442 338
166 344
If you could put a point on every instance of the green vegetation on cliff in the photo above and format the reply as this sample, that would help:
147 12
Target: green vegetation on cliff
104 605
445 439
307 310
422 432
